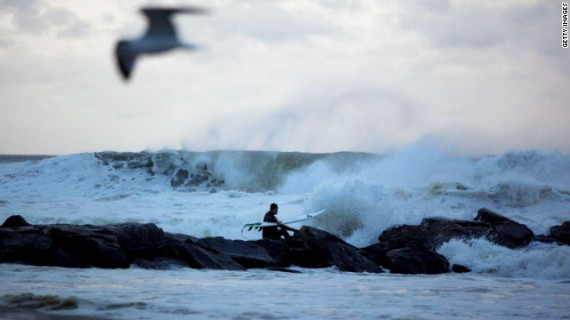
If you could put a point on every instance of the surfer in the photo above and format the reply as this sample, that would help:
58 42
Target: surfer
275 232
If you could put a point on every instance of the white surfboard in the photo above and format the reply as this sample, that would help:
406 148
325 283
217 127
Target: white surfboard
259 225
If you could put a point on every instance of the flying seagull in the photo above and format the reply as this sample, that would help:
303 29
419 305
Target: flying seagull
159 37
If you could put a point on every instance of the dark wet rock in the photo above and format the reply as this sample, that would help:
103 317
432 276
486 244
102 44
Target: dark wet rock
506 232
433 232
148 246
111 246
404 249
186 249
561 233
416 260
513 235
15 221
457 268
26 245
250 254
491 217
378 253
411 248
314 248
545 239
62 245
87 246
139 240
277 250
179 178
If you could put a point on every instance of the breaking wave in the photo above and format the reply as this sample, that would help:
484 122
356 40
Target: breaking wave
536 261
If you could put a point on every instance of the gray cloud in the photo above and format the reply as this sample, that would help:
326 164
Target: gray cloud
5 42
267 22
39 16
480 25
288 75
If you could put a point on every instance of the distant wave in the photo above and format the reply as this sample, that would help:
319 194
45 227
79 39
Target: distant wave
252 171
4 158
520 177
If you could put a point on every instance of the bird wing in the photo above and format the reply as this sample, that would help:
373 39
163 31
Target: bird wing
159 21
125 59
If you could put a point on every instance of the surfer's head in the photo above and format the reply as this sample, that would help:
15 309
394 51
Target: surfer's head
274 208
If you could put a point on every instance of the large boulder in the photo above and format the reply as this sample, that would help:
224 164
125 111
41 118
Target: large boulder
185 248
506 232
28 247
62 245
561 233
378 253
278 251
314 248
458 268
88 246
416 260
413 258
139 240
15 221
411 248
250 254
433 232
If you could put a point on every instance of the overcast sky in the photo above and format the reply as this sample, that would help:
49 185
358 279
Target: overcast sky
478 77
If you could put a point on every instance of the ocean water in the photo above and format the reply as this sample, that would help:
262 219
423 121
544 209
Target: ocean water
216 193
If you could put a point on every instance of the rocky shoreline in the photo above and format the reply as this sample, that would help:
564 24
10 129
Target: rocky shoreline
406 249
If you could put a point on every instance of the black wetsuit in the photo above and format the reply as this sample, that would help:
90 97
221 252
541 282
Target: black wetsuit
274 232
